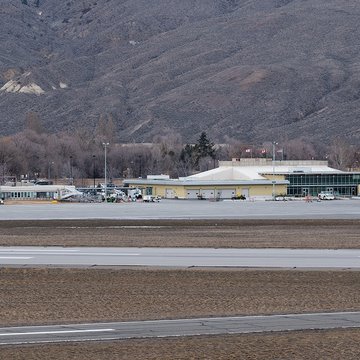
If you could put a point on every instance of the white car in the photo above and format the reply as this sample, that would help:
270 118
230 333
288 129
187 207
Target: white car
1 202
151 198
326 196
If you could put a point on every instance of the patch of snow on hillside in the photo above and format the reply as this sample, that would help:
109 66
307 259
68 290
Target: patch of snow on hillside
15 87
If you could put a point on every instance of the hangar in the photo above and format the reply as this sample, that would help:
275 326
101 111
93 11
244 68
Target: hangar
254 178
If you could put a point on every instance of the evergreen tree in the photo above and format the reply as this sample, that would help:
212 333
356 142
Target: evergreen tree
191 155
204 148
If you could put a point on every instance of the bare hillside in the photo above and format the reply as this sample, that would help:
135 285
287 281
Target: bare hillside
251 70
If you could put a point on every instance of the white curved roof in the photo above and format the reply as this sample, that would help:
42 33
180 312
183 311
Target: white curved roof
255 172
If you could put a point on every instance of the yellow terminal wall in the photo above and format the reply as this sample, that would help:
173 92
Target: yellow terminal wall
180 191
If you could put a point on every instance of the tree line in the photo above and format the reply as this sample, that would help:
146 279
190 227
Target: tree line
33 154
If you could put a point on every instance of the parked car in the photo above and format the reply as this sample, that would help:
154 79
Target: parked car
1 202
326 196
151 198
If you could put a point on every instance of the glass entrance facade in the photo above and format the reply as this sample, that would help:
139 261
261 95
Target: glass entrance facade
342 184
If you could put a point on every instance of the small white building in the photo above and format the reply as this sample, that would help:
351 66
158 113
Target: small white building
38 192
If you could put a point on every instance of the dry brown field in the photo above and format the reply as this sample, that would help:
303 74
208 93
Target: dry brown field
62 295
50 295
184 233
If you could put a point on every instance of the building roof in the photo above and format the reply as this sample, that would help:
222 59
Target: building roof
257 172
195 182
247 171
227 173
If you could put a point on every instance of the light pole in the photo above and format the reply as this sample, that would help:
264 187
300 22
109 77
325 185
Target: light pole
140 166
274 143
49 170
94 170
105 146
71 171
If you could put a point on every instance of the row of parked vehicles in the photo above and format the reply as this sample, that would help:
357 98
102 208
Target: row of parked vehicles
121 194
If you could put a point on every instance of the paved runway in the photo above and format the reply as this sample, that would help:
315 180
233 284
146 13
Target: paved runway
187 209
181 327
180 257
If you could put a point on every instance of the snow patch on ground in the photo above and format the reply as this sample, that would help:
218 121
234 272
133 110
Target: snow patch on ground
16 87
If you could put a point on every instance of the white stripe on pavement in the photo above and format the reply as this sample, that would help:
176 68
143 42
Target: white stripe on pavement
55 332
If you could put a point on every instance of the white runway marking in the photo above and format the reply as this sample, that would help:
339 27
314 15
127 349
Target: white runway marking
37 250
16 257
55 332
69 252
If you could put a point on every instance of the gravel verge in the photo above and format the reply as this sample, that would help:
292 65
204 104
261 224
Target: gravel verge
328 234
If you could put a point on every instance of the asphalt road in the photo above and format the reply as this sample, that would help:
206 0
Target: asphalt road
181 327
186 209
180 257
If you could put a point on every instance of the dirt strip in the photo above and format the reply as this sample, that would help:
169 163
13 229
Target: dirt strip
329 234
51 295
314 345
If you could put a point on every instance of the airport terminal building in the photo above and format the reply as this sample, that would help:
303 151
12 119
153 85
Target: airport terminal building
256 178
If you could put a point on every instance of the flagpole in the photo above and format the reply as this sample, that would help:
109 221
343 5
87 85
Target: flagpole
274 143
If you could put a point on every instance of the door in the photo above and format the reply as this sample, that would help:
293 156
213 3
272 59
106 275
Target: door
305 191
226 193
192 193
169 194
208 193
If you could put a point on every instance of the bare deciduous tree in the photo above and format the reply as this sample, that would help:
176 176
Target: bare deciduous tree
341 154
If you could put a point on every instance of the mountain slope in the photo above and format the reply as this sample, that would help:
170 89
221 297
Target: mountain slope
252 70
